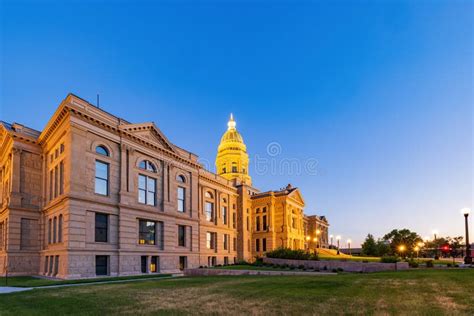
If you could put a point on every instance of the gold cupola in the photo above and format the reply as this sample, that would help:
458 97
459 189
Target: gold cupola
232 160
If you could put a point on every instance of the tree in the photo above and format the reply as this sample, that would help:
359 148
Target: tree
369 247
403 237
383 248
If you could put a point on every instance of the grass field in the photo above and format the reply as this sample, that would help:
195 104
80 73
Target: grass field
26 281
420 292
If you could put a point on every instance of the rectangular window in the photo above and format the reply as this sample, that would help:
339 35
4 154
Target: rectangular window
264 219
209 240
55 227
181 236
209 211
293 222
101 178
214 261
234 246
181 195
146 190
51 182
51 263
225 238
61 177
154 265
1 236
144 260
248 223
50 231
183 262
264 244
101 227
46 263
147 232
224 215
258 223
56 265
234 221
101 265
226 261
257 245
56 181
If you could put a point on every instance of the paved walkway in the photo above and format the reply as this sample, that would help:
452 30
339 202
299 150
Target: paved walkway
9 289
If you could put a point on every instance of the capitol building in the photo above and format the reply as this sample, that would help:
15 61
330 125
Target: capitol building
93 194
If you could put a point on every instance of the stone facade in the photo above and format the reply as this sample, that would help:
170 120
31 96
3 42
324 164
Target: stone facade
93 194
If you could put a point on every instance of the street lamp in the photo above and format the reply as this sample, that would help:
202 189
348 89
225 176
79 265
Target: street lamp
338 238
468 258
401 249
417 249
331 236
349 246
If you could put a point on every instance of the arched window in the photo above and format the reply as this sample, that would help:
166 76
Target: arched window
181 178
60 228
208 195
147 165
101 150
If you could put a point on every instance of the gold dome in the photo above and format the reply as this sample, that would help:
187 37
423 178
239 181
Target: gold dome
232 159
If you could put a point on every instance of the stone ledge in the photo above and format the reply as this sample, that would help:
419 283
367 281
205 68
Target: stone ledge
214 272
347 266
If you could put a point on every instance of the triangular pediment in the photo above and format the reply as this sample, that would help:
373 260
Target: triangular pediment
149 132
296 194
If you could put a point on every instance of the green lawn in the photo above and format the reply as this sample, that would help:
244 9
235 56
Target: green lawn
419 292
26 281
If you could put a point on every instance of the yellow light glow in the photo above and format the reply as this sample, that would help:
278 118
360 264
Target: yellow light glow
315 239
417 248
338 237
401 248
318 232
308 238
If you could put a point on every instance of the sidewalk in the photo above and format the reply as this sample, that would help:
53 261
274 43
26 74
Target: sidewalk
9 289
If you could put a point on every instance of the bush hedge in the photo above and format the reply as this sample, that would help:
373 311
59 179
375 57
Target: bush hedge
287 253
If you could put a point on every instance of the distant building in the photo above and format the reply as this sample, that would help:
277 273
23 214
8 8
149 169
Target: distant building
316 232
93 194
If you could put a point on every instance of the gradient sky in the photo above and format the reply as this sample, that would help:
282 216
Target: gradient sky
380 93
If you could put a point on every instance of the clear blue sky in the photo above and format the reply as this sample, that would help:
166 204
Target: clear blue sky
379 92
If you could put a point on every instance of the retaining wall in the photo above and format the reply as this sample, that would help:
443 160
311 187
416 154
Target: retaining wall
347 266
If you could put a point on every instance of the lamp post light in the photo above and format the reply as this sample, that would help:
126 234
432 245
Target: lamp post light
338 239
468 258
401 249
349 246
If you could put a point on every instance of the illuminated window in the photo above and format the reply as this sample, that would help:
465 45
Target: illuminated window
211 240
147 232
154 264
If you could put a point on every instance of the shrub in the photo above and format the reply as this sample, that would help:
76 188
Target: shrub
412 263
429 264
340 270
286 253
301 266
449 265
334 270
389 259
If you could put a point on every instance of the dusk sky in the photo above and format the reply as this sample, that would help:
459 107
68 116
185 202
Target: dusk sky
379 93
